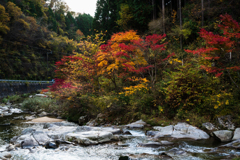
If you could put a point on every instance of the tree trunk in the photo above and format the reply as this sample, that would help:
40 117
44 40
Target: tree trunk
208 10
154 9
178 9
163 15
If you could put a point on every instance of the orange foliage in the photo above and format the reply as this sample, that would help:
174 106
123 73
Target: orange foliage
79 32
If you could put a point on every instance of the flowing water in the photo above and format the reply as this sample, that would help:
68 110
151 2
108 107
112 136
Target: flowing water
128 149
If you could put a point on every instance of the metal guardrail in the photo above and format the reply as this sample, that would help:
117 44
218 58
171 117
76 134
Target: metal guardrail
24 81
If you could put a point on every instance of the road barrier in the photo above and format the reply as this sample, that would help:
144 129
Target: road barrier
11 87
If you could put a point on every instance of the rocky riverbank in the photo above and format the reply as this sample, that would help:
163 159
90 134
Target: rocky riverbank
44 137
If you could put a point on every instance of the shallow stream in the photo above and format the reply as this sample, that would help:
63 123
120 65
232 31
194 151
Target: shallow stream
128 149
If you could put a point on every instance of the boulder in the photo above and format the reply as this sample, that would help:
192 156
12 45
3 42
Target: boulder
99 120
92 122
138 124
226 122
59 132
90 137
30 117
236 134
15 110
42 114
82 120
209 126
28 131
27 141
163 131
181 130
5 108
235 144
41 137
223 135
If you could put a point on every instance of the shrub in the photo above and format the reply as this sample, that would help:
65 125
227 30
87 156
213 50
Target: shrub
14 98
37 103
4 100
191 90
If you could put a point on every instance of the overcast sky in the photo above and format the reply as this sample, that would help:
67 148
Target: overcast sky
82 6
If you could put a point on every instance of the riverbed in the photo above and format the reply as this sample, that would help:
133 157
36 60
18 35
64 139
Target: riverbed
130 147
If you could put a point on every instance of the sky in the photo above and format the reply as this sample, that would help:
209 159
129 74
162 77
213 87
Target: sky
82 6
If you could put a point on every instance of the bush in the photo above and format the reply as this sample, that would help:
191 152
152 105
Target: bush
14 98
4 100
190 90
37 103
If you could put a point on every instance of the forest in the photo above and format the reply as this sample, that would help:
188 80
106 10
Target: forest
34 34
135 59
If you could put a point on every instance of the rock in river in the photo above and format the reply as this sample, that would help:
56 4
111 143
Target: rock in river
90 137
235 144
181 130
236 134
138 124
224 135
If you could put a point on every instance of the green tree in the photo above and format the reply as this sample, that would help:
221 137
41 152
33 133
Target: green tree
125 17
105 16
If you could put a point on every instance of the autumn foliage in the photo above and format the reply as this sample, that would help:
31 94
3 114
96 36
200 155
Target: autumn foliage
123 63
218 46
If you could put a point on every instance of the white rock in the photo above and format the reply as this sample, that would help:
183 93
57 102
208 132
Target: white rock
59 132
236 134
27 141
90 137
30 117
6 114
209 126
137 124
224 135
164 131
42 114
181 130
15 110
5 108
234 144
41 137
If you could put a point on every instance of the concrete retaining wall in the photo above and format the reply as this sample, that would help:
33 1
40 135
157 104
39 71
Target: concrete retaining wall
7 89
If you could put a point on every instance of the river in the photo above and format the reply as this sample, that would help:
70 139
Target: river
129 148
